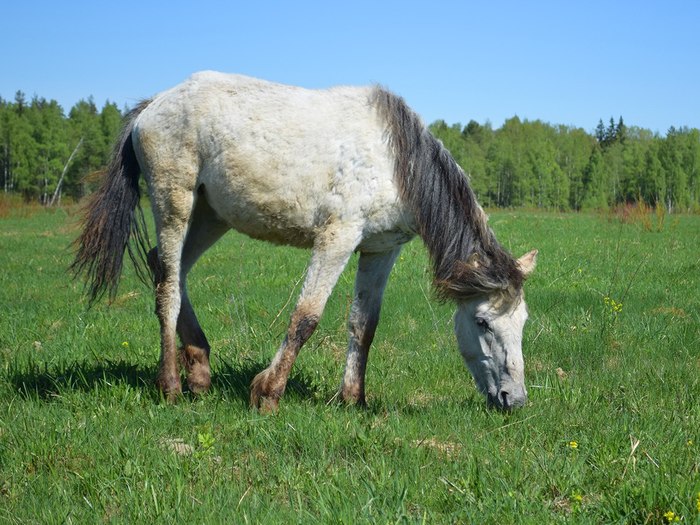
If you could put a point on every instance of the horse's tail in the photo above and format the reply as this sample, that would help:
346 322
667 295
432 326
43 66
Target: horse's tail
114 221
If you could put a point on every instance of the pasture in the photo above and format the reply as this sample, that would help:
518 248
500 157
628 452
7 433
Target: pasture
611 433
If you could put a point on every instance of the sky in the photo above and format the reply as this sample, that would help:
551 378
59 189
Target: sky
562 62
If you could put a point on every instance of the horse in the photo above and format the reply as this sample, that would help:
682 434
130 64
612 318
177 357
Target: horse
339 170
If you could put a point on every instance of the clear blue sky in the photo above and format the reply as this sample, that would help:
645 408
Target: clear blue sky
564 62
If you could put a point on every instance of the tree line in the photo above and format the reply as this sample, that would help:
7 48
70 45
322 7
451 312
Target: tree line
539 165
45 154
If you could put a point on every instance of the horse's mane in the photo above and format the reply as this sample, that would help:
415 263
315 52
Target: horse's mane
467 259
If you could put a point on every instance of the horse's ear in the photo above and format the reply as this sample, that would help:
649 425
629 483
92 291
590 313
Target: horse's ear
527 263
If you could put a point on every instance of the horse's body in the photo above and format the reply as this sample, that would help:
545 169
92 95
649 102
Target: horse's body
275 162
338 171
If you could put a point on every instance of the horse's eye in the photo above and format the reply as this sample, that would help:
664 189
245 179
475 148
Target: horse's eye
483 324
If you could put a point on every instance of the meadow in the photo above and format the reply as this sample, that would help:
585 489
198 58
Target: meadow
611 433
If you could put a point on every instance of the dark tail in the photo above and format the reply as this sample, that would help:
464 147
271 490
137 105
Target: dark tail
114 222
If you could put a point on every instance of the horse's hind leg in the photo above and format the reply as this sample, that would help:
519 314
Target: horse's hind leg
332 250
194 353
372 274
204 230
168 302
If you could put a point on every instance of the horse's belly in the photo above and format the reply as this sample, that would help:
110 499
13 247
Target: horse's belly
275 230
269 219
294 214
385 241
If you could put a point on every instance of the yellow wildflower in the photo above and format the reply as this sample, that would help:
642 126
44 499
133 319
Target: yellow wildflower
125 344
572 444
613 306
671 517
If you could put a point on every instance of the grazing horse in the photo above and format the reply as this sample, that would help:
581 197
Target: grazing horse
339 170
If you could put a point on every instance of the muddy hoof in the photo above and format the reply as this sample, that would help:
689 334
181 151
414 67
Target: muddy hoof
170 387
268 405
353 397
198 384
196 363
263 394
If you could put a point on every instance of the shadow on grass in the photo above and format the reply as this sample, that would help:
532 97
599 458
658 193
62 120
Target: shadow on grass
46 382
234 379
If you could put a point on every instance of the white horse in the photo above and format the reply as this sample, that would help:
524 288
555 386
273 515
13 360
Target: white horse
339 170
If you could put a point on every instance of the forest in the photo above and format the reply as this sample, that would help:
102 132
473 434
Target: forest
46 155
534 164
41 147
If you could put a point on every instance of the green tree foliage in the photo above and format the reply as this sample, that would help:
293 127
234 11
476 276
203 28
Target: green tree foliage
37 139
537 165
524 163
594 193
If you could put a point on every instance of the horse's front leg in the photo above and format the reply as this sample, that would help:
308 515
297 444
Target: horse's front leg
269 385
372 275
331 253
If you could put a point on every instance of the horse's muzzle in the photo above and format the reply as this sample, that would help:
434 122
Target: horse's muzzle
508 399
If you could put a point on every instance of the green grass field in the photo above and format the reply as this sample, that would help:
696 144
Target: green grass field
611 433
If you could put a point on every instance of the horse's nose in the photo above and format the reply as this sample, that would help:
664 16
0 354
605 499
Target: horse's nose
510 398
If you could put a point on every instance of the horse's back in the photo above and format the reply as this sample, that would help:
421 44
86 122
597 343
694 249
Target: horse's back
274 161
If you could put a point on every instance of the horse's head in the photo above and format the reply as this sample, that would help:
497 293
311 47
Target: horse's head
489 333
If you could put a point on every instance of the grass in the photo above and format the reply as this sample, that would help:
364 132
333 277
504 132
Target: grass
611 434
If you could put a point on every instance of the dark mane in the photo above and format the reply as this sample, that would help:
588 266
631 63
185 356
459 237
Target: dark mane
467 259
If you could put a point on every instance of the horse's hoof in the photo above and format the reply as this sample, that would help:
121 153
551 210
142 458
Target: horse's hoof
354 402
268 405
263 395
353 397
172 397
170 387
263 402
196 362
198 384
